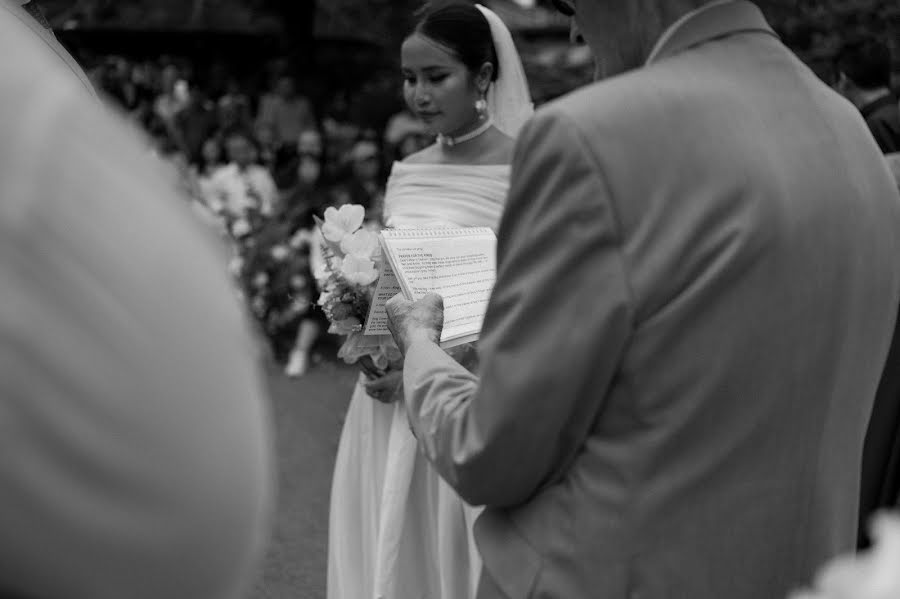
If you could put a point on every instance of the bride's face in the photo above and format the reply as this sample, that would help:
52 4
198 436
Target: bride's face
437 86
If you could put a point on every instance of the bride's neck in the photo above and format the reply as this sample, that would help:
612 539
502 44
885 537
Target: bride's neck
491 148
467 128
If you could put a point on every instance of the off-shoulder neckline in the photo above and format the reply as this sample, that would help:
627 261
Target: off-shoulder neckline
445 165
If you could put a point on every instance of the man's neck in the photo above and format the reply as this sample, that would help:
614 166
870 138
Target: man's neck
672 15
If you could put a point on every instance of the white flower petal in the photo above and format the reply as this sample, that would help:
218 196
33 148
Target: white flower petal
333 232
353 216
359 271
341 222
362 244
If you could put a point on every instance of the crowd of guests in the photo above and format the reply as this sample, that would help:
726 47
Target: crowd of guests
258 168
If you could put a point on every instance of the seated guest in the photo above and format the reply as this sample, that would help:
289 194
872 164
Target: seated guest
243 184
365 185
864 67
310 142
286 111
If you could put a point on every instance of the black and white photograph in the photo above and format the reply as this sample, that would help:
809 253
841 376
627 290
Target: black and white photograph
449 299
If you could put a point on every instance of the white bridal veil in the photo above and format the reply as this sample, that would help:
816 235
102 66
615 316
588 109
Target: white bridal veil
509 99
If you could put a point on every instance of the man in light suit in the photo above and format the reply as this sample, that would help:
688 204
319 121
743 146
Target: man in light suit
698 274
135 457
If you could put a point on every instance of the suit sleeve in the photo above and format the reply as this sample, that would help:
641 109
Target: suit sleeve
556 327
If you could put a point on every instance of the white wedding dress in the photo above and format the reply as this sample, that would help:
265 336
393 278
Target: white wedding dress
396 530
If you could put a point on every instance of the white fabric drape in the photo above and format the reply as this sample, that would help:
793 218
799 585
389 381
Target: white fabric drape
509 99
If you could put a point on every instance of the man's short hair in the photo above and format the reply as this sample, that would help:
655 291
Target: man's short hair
866 61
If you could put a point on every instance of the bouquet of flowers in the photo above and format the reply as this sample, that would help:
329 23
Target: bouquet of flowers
352 265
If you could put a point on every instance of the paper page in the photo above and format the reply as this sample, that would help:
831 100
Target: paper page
462 269
387 287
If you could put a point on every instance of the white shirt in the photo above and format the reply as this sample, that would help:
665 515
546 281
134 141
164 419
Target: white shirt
237 190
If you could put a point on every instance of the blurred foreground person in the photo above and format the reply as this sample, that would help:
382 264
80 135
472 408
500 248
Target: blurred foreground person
28 13
698 274
135 458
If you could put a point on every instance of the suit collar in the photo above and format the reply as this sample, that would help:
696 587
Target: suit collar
717 19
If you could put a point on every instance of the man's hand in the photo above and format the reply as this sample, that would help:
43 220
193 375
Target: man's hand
409 321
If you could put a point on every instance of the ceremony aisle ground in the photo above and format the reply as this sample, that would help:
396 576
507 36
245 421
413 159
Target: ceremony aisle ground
307 414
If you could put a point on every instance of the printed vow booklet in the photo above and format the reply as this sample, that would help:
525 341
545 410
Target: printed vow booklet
459 264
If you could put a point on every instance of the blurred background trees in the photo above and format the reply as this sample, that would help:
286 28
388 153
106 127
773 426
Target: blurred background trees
338 42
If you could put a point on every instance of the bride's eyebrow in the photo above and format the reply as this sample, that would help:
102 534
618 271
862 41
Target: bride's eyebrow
425 70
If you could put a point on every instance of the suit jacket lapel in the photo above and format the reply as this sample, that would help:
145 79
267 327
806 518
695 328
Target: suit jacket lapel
50 40
716 20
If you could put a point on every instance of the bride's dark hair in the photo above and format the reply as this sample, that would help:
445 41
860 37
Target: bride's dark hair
461 28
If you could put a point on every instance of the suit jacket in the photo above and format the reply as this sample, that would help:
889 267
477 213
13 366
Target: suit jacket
135 459
698 275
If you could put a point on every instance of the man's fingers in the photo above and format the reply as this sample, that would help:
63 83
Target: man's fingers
433 300
397 304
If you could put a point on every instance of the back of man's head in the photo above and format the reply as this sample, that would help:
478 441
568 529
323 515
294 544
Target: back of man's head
866 62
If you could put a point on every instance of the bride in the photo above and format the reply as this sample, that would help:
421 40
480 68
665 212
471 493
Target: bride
396 530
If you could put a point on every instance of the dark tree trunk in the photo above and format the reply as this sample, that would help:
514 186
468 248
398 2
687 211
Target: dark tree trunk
297 19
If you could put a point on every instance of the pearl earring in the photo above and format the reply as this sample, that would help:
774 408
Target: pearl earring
481 108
